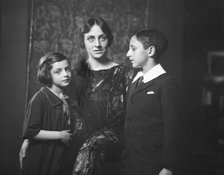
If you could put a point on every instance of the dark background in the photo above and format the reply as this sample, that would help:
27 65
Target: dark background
193 27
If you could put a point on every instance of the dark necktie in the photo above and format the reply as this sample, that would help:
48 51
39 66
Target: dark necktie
139 81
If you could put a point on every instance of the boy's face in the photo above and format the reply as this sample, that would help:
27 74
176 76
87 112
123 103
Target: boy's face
136 53
61 74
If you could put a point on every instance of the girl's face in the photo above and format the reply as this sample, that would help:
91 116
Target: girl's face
61 74
96 42
137 54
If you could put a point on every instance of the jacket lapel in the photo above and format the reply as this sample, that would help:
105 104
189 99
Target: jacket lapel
133 90
140 88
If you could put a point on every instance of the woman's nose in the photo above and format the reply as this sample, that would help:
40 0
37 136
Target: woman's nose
97 43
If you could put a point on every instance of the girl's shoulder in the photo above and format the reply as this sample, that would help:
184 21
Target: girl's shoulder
38 98
38 95
44 95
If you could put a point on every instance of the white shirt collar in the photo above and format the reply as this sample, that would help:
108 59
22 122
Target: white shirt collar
151 74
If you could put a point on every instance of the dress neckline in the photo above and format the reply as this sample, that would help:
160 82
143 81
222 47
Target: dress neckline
103 70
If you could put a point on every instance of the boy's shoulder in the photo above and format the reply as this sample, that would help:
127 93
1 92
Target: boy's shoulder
164 77
167 80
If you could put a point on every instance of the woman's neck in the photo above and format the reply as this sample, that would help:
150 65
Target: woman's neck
103 63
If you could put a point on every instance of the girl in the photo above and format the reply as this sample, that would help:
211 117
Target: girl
48 120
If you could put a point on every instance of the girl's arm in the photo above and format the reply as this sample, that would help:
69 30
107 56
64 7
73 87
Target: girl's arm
32 128
63 136
22 152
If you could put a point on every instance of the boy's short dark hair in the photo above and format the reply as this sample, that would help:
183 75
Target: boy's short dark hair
45 66
152 37
101 23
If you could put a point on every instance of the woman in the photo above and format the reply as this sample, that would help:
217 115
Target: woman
102 93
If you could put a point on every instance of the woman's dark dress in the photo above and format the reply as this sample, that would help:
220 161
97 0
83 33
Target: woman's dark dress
45 112
102 107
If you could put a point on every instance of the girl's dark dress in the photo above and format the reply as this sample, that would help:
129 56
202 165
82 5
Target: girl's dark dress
102 107
45 112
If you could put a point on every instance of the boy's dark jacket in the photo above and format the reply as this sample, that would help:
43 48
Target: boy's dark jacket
152 123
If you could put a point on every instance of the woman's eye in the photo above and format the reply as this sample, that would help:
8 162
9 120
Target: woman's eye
103 38
91 39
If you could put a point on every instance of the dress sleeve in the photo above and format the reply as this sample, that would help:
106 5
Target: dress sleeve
129 75
117 101
33 119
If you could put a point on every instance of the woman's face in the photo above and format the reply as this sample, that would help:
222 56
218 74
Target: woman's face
96 42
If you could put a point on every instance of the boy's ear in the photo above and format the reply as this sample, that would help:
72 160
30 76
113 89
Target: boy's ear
151 51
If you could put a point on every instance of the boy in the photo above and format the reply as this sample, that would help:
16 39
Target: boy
151 125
